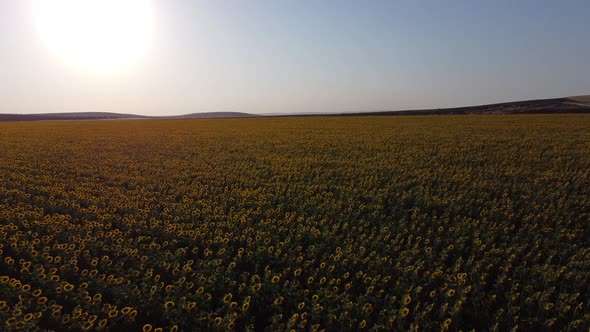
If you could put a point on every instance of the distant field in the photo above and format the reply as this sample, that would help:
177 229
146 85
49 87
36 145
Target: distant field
429 223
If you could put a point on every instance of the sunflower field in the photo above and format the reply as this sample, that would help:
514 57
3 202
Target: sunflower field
311 223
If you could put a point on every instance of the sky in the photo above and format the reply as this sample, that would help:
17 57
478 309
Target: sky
286 56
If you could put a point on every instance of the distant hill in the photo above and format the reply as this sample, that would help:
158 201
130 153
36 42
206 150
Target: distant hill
68 116
575 104
210 115
583 100
114 116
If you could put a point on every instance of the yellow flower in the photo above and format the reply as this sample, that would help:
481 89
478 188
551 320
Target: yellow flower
218 321
451 293
407 299
275 279
113 313
168 305
87 326
405 311
147 327
279 300
301 305
363 324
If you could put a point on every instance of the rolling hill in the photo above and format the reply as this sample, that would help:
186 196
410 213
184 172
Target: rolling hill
575 104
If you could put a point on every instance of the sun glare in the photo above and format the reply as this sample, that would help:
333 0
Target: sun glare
96 35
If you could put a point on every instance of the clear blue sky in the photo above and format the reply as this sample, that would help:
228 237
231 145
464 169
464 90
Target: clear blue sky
313 56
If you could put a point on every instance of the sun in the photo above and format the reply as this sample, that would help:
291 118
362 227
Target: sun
96 35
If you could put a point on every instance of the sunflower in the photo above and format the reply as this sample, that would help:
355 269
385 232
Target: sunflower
168 305
447 322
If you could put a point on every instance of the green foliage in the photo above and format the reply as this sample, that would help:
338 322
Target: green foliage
406 223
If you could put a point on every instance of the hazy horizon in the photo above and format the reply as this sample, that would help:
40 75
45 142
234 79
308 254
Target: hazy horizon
302 56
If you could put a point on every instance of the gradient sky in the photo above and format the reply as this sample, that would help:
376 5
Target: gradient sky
313 56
